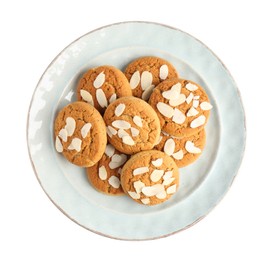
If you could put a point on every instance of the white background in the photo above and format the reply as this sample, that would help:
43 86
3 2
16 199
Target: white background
34 32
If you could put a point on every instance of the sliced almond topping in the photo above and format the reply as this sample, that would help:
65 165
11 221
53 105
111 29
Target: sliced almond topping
85 129
165 109
138 185
102 173
111 131
163 72
158 162
189 98
135 79
140 170
205 105
170 94
159 140
181 98
128 140
119 170
76 144
63 134
191 148
147 92
86 96
178 155
112 98
161 195
110 150
196 97
191 87
114 182
169 147
156 175
145 201
167 175
192 112
137 120
70 125
114 165
177 87
100 79
121 124
146 79
58 145
134 131
171 189
122 133
134 195
198 121
108 132
195 103
152 190
119 109
119 158
101 98
168 181
178 116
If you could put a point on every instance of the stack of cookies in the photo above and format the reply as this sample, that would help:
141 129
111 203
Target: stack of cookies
133 130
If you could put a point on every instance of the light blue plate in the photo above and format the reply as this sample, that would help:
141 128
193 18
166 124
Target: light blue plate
202 184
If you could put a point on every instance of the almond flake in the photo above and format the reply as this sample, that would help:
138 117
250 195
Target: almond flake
114 165
168 181
165 109
75 144
191 87
178 155
119 170
108 132
86 96
170 94
159 140
121 124
195 103
109 150
191 148
156 175
70 125
135 79
114 182
178 116
169 147
102 173
137 120
112 130
100 79
181 98
101 98
171 189
146 79
196 97
122 133
189 98
134 195
112 98
128 140
138 185
58 145
167 175
158 162
134 131
145 201
163 72
85 129
152 190
140 170
192 112
205 106
119 109
119 158
198 121
147 92
161 195
63 134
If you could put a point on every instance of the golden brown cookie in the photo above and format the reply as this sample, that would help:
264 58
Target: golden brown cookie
102 85
182 106
105 175
80 134
132 125
146 72
150 177
185 150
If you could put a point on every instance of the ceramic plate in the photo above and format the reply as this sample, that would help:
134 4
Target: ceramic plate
202 184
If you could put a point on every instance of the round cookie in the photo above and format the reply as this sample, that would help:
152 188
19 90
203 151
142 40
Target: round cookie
182 106
185 150
146 72
80 134
102 85
105 175
150 177
132 125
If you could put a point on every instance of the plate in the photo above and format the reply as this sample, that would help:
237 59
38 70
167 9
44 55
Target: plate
202 184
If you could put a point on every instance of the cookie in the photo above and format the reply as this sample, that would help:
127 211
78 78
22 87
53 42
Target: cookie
105 175
182 106
132 125
184 151
150 177
102 85
80 134
146 72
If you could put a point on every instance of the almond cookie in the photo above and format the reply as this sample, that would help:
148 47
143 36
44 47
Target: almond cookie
182 106
102 85
184 151
132 125
80 134
147 72
150 177
105 175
